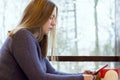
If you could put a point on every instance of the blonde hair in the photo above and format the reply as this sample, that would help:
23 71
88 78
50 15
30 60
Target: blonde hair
35 16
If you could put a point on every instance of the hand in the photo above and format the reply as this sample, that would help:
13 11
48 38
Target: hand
88 72
97 77
88 77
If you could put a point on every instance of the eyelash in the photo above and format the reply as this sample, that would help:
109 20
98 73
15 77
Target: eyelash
51 17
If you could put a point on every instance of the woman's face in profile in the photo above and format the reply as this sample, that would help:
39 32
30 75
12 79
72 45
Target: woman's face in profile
51 22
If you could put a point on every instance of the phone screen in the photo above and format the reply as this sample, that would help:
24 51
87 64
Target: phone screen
97 71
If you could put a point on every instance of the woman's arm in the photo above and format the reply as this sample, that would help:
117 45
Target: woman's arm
26 55
50 69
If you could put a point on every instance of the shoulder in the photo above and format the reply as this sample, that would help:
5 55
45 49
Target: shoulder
23 33
23 39
23 36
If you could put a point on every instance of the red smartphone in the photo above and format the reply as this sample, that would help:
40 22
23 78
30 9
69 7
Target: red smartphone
97 71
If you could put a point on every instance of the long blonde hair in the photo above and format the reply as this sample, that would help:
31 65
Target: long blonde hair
35 16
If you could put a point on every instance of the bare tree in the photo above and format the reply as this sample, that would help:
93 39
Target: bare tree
96 31
96 27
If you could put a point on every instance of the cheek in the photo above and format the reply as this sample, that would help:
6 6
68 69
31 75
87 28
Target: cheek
48 23
46 26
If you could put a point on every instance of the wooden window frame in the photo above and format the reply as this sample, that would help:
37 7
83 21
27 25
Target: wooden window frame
87 58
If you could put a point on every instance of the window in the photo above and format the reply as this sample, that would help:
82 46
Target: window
85 28
10 13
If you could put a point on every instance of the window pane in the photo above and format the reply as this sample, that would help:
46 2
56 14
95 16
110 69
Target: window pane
86 27
81 66
81 30
78 67
10 13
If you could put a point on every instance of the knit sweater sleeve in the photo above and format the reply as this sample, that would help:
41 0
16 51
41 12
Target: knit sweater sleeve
51 69
26 55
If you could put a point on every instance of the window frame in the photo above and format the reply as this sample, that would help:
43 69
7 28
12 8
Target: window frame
87 58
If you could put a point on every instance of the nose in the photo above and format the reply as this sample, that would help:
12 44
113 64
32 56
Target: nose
53 23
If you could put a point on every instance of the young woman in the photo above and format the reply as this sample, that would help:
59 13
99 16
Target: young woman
23 55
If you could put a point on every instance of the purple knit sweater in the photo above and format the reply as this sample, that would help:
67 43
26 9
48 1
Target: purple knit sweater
21 59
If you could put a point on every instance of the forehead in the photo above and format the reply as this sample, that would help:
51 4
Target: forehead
54 12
